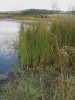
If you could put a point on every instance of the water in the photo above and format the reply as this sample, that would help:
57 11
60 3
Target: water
9 32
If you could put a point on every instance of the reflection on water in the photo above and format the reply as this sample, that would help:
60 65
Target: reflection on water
8 35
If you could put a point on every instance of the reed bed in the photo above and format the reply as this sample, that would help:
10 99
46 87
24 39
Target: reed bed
45 50
35 46
43 44
64 29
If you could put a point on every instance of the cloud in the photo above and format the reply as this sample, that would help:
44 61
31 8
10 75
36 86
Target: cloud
8 5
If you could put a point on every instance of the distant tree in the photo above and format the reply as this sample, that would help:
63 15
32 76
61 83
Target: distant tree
55 6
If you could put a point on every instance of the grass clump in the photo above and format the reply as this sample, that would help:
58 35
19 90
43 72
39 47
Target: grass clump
40 86
41 44
35 46
21 88
46 45
64 30
64 90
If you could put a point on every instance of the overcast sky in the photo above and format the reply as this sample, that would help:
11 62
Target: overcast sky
11 5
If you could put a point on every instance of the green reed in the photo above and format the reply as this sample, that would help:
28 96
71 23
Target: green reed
64 29
51 46
44 44
36 45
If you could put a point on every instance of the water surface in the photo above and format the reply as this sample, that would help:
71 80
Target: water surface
9 32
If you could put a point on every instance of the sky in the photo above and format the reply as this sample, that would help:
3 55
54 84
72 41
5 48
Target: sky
12 5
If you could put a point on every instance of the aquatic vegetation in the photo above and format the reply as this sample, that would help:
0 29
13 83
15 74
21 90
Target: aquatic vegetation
44 44
35 45
45 50
64 29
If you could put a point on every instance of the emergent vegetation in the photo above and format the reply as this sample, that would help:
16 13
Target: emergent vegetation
47 55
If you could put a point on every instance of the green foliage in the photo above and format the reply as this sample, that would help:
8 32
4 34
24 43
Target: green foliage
38 11
48 45
65 89
64 30
40 86
21 90
35 45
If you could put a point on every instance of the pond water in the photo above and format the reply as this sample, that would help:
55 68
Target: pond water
9 32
